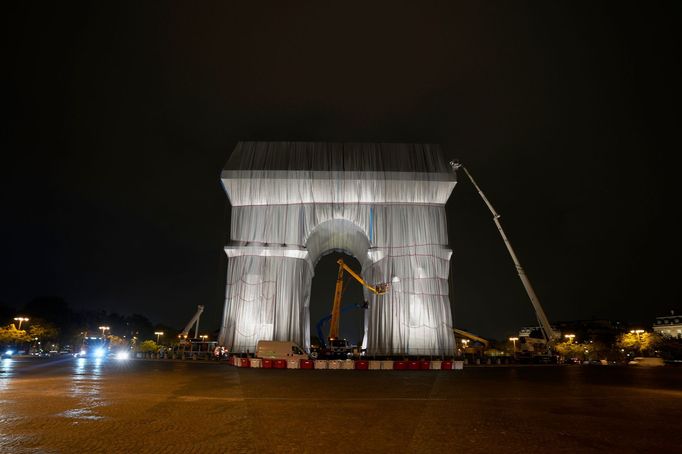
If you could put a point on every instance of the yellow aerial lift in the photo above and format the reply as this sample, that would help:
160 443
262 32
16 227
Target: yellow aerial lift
380 289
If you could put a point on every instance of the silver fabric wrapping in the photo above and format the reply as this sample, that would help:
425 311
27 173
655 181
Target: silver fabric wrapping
382 203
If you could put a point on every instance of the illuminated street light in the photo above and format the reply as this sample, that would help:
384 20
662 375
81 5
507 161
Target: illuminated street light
203 337
104 328
569 337
632 331
20 319
158 334
514 339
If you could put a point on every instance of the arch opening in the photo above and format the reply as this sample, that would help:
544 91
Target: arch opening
323 284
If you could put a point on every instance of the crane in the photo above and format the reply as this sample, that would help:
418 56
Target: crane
548 332
380 289
471 336
183 334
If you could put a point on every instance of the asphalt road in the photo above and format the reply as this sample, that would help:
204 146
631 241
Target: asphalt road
71 405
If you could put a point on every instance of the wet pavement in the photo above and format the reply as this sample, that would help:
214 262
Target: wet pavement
82 405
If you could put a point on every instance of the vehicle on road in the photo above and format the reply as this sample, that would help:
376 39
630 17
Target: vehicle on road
647 361
279 350
92 347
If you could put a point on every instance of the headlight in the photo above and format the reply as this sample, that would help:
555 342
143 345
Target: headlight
122 355
99 352
9 352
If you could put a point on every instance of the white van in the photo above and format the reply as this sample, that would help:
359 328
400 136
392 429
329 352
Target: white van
279 350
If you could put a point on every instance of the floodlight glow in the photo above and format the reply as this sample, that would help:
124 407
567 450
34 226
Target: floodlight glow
99 352
9 352
122 355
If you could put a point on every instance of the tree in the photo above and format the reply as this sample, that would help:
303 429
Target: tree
148 346
11 335
670 348
43 331
139 326
638 342
56 312
115 341
570 349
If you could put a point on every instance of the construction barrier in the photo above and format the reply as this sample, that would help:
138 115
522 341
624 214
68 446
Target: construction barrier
399 365
307 364
413 365
386 365
279 364
267 364
321 364
362 364
244 362
435 365
293 364
425 364
446 365
348 364
235 361
375 365
255 362
459 365
334 364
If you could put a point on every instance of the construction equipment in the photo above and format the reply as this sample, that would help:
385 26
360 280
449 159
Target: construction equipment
323 320
195 319
548 332
380 289
471 336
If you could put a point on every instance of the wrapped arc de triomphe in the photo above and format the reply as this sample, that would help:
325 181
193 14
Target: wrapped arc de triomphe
383 203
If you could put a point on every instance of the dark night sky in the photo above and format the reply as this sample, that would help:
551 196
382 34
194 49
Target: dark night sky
121 118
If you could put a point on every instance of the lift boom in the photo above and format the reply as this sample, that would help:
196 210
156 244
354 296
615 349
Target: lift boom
545 327
194 319
380 289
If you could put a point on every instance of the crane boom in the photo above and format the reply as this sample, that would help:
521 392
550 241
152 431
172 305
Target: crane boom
380 289
471 336
194 319
545 326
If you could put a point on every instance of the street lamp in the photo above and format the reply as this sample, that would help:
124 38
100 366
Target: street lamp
203 337
569 337
104 328
632 331
514 339
20 319
158 334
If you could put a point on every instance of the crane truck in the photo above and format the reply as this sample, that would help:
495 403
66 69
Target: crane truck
196 347
549 334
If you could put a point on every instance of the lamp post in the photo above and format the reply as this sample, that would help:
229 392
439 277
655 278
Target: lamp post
203 337
569 337
158 334
514 339
20 319
104 328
